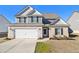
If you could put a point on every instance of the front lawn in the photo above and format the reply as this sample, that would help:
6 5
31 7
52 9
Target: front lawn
42 47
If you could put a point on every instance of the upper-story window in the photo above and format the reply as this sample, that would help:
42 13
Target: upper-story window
58 31
19 20
36 19
30 19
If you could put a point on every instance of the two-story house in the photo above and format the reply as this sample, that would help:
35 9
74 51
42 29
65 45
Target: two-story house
32 24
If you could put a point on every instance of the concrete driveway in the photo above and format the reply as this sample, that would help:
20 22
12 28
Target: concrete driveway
18 46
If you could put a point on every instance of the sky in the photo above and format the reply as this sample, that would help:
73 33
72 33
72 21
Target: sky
64 11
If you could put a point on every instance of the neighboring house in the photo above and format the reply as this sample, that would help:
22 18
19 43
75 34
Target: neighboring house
3 25
32 24
73 21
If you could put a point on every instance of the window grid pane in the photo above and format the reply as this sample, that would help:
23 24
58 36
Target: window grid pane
57 31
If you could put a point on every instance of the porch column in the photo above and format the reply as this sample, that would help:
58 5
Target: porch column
40 32
10 33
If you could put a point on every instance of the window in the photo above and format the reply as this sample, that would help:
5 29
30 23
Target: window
58 31
19 20
36 19
24 19
33 19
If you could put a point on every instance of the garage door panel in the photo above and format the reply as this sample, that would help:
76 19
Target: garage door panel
26 33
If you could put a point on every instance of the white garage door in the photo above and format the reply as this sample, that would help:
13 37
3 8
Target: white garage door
26 33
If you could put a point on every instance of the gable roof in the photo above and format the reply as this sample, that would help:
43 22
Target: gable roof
61 22
28 11
23 10
33 12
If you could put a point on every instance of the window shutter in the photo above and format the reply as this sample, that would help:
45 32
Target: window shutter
55 31
61 31
24 19
19 20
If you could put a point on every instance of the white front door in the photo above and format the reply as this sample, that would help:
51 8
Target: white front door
26 33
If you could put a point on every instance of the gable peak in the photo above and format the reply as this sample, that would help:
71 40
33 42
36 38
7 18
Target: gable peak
30 7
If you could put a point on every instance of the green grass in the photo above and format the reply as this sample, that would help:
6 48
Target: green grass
42 47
